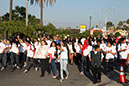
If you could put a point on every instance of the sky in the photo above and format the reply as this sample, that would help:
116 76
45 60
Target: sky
72 13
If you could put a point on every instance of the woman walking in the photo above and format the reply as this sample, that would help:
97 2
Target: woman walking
63 60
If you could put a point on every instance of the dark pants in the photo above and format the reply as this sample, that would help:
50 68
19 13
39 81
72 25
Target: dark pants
8 60
96 71
85 64
22 57
30 63
109 65
58 68
14 60
1 59
53 64
78 60
45 66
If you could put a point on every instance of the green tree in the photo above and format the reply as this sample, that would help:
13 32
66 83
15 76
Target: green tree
109 24
17 14
97 26
97 33
127 21
120 24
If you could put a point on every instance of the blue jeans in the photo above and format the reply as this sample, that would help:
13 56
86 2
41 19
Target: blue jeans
63 67
1 59
53 64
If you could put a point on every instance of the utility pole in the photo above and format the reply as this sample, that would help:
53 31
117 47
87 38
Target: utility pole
90 22
106 10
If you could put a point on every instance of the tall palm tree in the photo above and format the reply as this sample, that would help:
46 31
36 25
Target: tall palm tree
26 12
42 3
11 4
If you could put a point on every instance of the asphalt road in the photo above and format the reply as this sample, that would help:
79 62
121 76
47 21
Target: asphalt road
32 78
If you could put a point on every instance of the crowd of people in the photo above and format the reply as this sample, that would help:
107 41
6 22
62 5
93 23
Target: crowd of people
54 54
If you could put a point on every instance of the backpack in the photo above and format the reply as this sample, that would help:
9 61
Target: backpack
95 59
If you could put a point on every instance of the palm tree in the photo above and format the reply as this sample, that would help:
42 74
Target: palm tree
26 12
10 16
120 24
41 2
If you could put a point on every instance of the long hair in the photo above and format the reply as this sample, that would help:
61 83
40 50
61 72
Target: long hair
65 45
54 43
14 41
73 46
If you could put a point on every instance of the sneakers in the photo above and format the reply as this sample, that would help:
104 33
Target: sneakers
61 80
18 67
81 73
36 69
25 65
15 65
66 77
54 76
2 68
25 71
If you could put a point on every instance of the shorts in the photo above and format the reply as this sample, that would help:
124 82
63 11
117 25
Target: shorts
72 53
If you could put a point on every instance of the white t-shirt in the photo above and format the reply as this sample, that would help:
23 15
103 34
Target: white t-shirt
123 54
115 49
14 48
87 50
71 48
77 40
64 54
75 45
48 43
82 40
2 47
109 55
52 50
36 44
103 46
58 52
78 49
23 47
30 52
94 43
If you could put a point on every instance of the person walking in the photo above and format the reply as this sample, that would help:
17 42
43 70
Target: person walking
96 57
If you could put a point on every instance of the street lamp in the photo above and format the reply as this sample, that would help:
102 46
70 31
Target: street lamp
106 10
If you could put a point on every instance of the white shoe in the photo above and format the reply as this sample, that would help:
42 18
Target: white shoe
25 71
2 68
15 65
25 65
54 76
66 77
81 73
61 80
36 69
18 67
